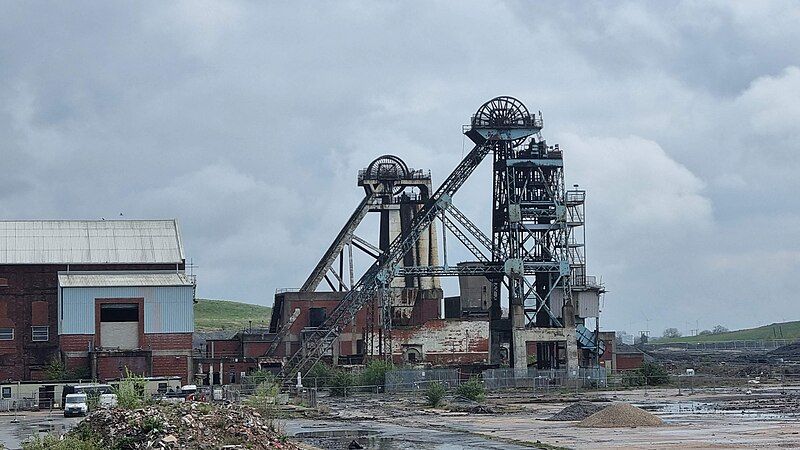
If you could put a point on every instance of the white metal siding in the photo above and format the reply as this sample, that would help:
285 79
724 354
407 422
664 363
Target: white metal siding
167 309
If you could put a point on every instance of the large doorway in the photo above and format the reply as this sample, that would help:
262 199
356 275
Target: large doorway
119 325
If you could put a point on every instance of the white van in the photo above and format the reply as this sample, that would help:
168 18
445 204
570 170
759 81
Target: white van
75 405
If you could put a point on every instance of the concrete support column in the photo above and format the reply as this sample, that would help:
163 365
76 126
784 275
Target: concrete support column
568 315
335 351
520 350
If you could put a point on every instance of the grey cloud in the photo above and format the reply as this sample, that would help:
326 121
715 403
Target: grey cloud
249 121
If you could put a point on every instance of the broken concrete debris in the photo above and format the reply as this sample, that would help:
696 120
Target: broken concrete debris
196 426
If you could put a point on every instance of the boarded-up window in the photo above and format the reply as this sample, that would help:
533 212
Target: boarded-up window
316 316
39 313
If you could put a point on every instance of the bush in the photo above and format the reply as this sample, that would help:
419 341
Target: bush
375 373
130 391
57 370
649 374
53 442
319 374
655 374
261 376
472 389
265 401
434 394
633 378
339 383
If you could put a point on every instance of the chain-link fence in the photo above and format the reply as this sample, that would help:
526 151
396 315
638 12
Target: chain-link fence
416 379
507 378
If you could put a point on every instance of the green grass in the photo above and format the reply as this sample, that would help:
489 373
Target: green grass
211 315
784 330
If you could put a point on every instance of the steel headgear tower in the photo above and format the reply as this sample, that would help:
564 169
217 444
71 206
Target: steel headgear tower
534 256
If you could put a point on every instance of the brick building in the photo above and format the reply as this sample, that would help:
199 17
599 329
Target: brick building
98 295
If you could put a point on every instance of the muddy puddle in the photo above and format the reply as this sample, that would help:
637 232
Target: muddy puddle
384 436
687 410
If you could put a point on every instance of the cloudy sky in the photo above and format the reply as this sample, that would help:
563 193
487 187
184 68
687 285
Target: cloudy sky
248 122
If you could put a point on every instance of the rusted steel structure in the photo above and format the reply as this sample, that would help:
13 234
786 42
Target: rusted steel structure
533 256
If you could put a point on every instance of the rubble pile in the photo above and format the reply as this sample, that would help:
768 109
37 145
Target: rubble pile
190 425
621 415
577 411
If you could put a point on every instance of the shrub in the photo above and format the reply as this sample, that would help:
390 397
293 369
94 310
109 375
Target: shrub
261 376
434 394
633 378
649 374
57 370
265 401
92 401
152 423
130 391
375 373
319 375
472 389
654 374
339 383
53 442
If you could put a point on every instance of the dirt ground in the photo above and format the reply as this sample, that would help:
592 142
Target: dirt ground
766 417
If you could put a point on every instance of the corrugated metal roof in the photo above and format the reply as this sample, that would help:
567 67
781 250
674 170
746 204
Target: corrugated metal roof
105 279
90 242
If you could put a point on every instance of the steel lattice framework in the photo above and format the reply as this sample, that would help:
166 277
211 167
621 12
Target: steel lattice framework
531 255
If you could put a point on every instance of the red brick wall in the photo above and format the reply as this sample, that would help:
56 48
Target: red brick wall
255 349
171 366
223 348
28 284
75 342
110 367
628 361
167 341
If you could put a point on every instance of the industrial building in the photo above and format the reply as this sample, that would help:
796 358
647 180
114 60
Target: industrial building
524 296
102 297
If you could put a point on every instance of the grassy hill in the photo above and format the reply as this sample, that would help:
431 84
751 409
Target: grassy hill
784 330
213 315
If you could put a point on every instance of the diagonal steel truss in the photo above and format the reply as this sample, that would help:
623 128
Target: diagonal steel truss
379 275
528 251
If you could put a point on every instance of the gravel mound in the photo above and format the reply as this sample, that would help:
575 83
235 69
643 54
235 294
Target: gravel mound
190 425
789 350
577 411
621 415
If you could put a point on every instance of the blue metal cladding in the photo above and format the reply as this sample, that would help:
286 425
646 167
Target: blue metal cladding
167 309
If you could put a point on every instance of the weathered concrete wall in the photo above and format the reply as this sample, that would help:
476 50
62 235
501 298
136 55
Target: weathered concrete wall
444 342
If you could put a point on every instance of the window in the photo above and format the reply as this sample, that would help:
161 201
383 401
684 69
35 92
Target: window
40 333
316 317
6 334
119 312
3 282
6 391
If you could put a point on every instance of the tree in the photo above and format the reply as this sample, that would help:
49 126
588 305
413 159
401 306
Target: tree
719 329
705 332
672 333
